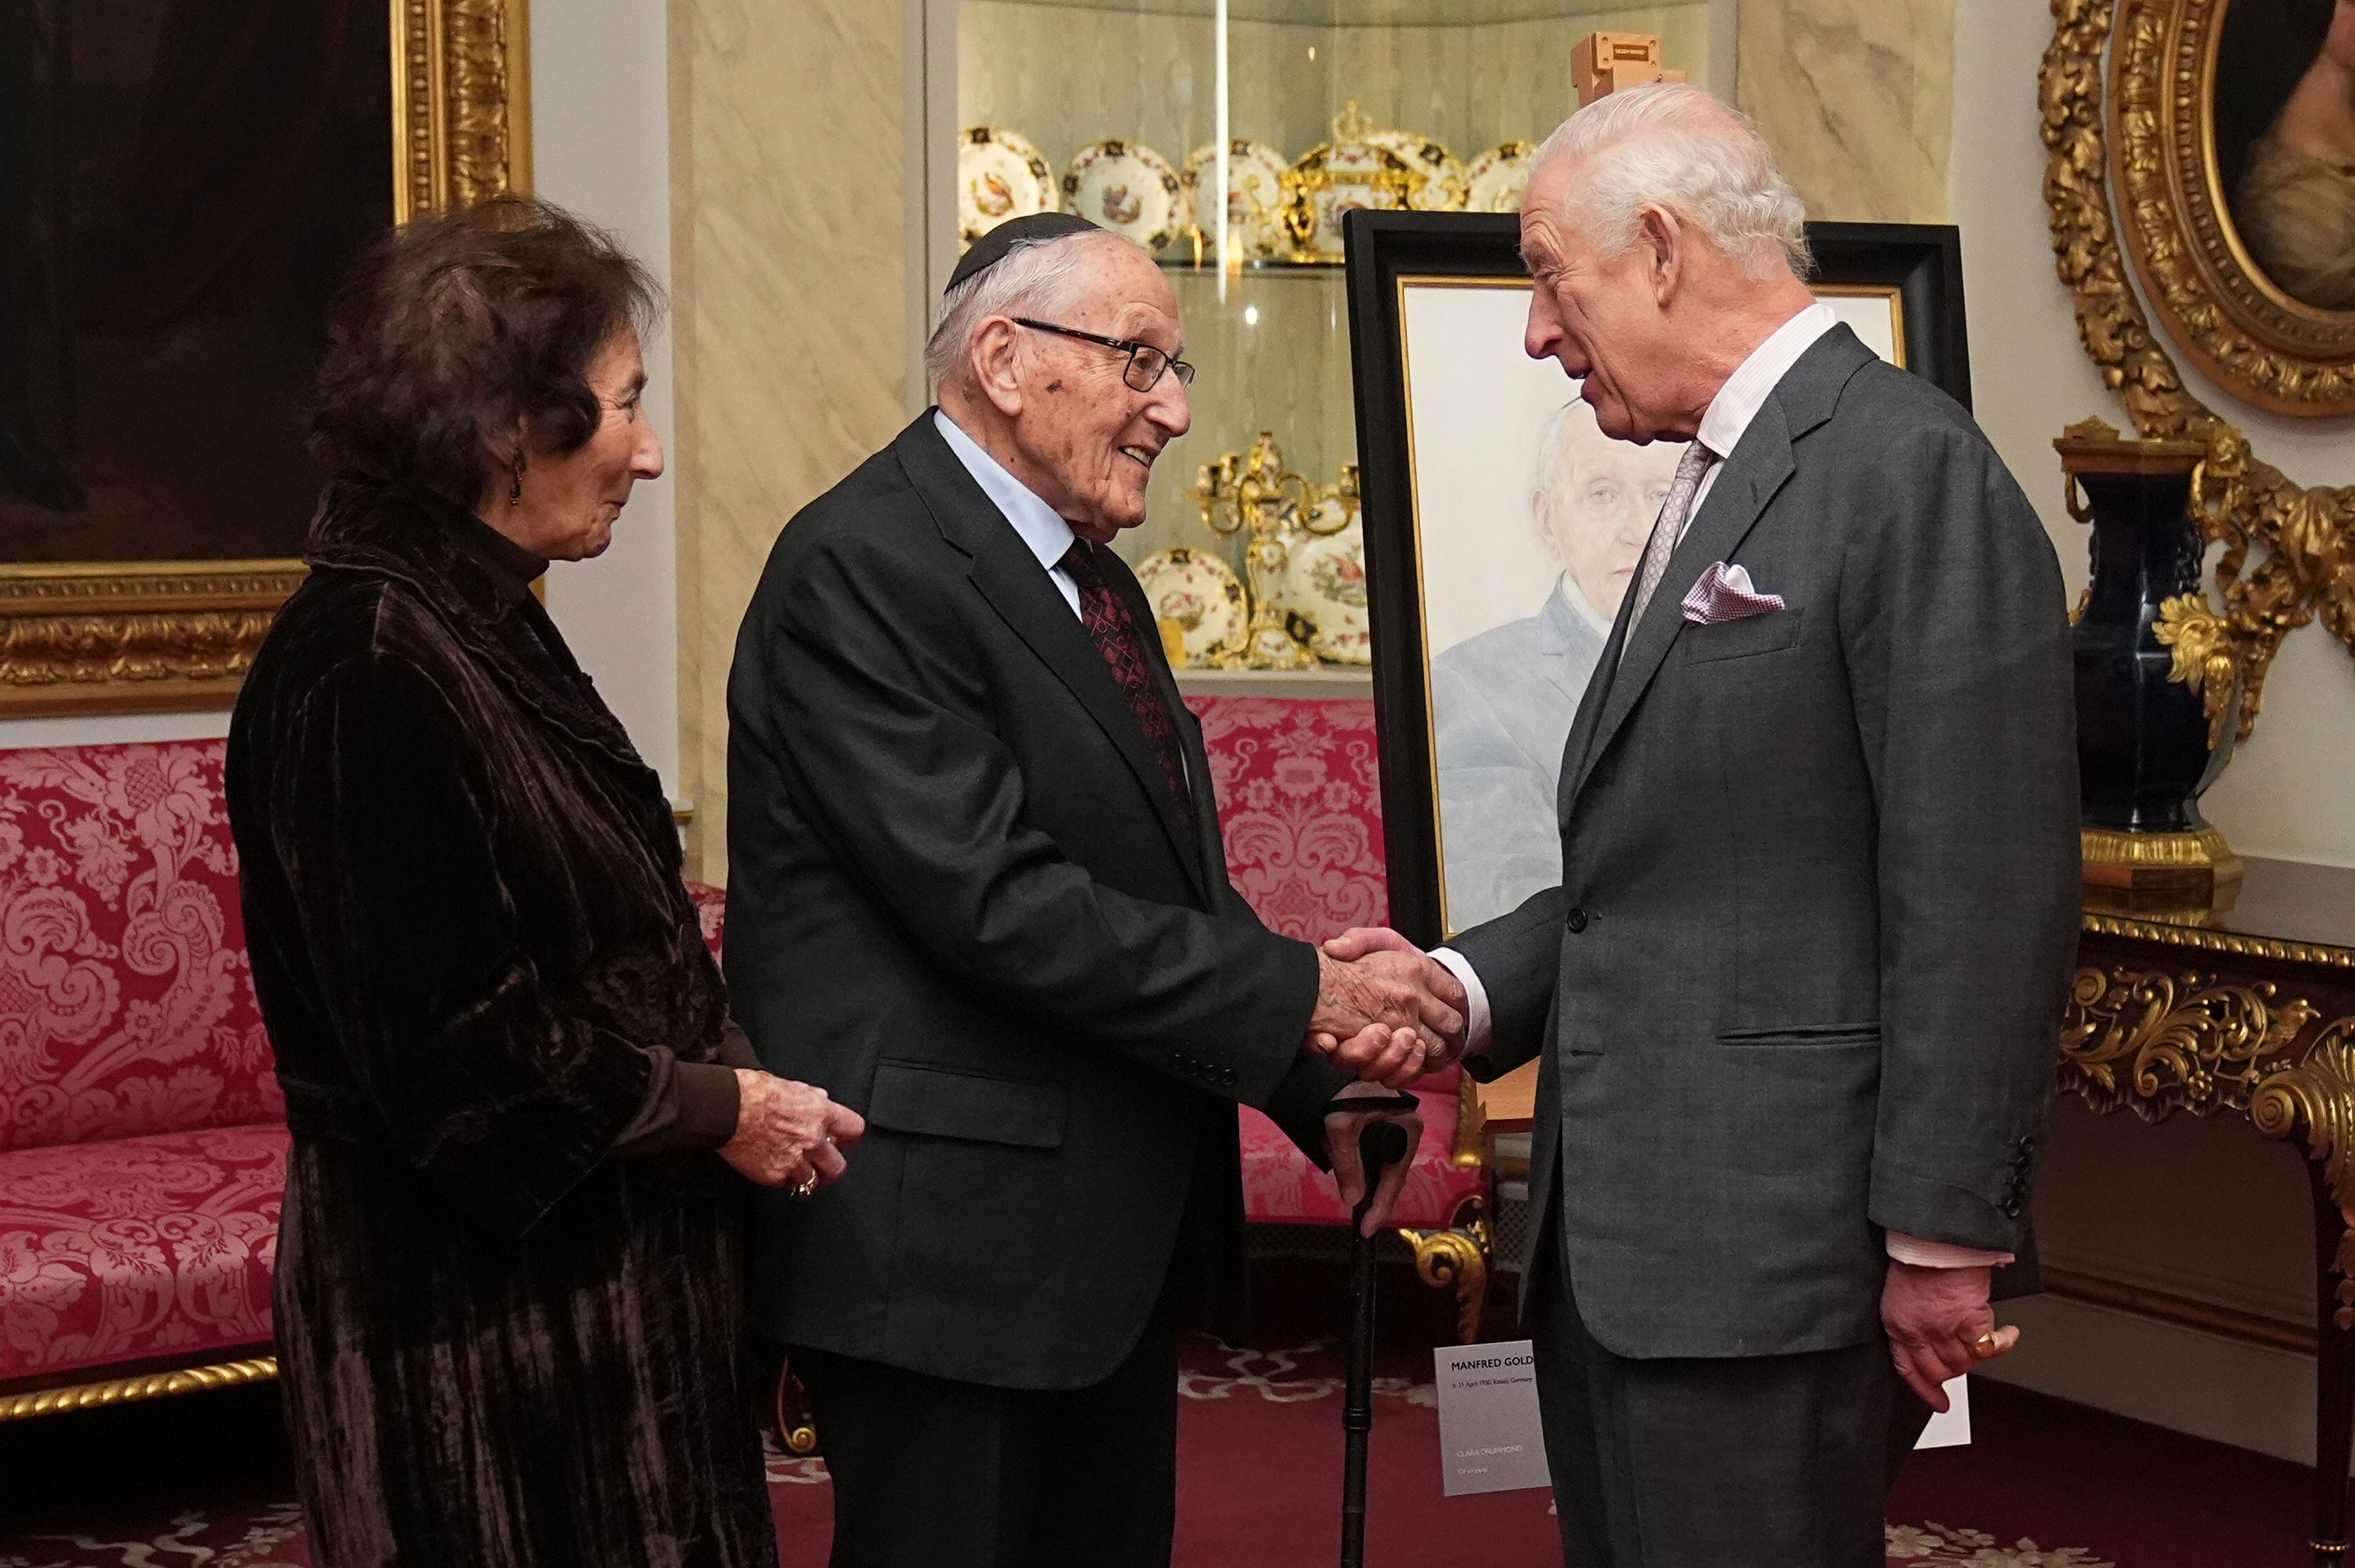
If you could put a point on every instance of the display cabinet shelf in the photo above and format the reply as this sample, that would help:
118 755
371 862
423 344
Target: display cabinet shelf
1116 108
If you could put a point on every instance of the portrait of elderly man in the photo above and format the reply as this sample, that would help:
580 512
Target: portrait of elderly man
1502 701
1794 992
977 894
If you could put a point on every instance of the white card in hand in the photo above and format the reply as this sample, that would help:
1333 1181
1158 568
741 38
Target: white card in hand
1952 1428
1490 1439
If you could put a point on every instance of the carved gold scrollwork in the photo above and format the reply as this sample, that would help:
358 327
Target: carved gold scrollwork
2156 1042
462 118
1457 1255
2314 1101
2239 332
796 1424
2203 658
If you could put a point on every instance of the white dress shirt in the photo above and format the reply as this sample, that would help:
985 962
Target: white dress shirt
1045 532
1048 536
1722 425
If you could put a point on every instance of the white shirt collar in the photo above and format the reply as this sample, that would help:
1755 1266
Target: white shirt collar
1754 379
1047 537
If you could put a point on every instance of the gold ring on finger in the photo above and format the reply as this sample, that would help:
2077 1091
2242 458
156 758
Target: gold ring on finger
803 1188
1985 1345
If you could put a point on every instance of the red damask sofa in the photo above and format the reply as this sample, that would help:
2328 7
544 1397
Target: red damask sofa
142 1148
142 1143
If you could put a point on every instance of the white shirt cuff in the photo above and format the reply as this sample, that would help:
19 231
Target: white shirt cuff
1479 1026
1940 1255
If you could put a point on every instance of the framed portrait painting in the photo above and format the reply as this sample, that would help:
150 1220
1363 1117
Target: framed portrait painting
182 186
1503 528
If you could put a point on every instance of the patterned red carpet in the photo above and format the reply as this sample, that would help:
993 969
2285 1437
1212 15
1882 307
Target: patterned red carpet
202 1482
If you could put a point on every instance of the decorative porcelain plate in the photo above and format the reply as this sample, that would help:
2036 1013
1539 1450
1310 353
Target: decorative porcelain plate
1497 176
1326 584
1255 174
1331 180
1201 594
1444 187
999 175
1129 188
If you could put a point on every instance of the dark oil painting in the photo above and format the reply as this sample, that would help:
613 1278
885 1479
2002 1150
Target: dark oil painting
2285 137
182 183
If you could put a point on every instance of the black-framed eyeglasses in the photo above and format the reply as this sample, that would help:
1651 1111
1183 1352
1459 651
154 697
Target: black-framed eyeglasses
1145 363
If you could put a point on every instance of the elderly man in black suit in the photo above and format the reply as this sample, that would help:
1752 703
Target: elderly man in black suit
1797 991
977 893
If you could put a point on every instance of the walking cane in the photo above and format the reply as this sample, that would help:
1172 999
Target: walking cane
1380 1144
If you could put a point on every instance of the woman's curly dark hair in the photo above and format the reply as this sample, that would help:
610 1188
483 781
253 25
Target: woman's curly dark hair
458 330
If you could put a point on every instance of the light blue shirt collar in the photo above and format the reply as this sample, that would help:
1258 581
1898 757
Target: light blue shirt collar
1047 537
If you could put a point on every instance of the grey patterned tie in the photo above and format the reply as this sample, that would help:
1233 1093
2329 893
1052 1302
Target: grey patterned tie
1675 512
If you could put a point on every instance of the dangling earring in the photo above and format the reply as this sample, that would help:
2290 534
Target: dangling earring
515 487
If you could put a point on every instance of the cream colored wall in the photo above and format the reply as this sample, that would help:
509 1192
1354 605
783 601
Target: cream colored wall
1857 97
2206 1209
600 147
791 245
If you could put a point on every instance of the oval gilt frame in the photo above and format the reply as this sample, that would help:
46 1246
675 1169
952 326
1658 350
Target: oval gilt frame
113 637
2289 553
2215 301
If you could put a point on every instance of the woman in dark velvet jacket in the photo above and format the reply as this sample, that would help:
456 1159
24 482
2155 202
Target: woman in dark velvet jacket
509 1269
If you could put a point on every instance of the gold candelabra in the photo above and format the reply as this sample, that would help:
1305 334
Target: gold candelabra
1257 494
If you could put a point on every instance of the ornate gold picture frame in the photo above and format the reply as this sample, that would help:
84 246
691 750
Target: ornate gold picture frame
119 636
2287 553
2188 222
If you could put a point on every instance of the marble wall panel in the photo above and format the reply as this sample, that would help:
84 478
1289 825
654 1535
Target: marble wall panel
791 246
1857 97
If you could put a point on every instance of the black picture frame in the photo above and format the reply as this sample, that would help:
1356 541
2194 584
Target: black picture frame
1918 266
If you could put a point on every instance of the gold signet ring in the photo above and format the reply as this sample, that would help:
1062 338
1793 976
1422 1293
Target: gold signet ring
1985 1345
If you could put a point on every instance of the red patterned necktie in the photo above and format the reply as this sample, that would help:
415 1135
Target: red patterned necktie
1114 633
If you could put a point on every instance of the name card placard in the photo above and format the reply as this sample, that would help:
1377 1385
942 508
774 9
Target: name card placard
1489 1437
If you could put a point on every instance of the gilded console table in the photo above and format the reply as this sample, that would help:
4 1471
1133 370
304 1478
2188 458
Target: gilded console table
2250 1010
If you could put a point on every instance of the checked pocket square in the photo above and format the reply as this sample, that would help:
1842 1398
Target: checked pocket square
1725 593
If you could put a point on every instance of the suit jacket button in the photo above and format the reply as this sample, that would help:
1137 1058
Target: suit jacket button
2011 1207
1577 920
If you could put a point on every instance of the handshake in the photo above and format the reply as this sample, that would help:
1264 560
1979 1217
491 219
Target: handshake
1385 1009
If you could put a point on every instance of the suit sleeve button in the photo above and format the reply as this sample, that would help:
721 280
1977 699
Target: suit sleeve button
1577 920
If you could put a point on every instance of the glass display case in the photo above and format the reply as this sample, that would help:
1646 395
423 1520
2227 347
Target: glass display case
1119 109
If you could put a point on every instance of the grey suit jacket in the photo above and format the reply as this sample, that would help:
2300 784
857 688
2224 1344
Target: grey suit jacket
1800 980
1502 705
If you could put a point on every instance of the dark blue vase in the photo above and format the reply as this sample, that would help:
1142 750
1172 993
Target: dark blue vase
2144 750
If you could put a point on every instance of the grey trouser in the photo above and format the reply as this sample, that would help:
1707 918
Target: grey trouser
1751 1462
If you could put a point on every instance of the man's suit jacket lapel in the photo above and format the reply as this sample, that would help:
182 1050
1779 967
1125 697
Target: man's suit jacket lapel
1576 748
1019 589
1757 468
